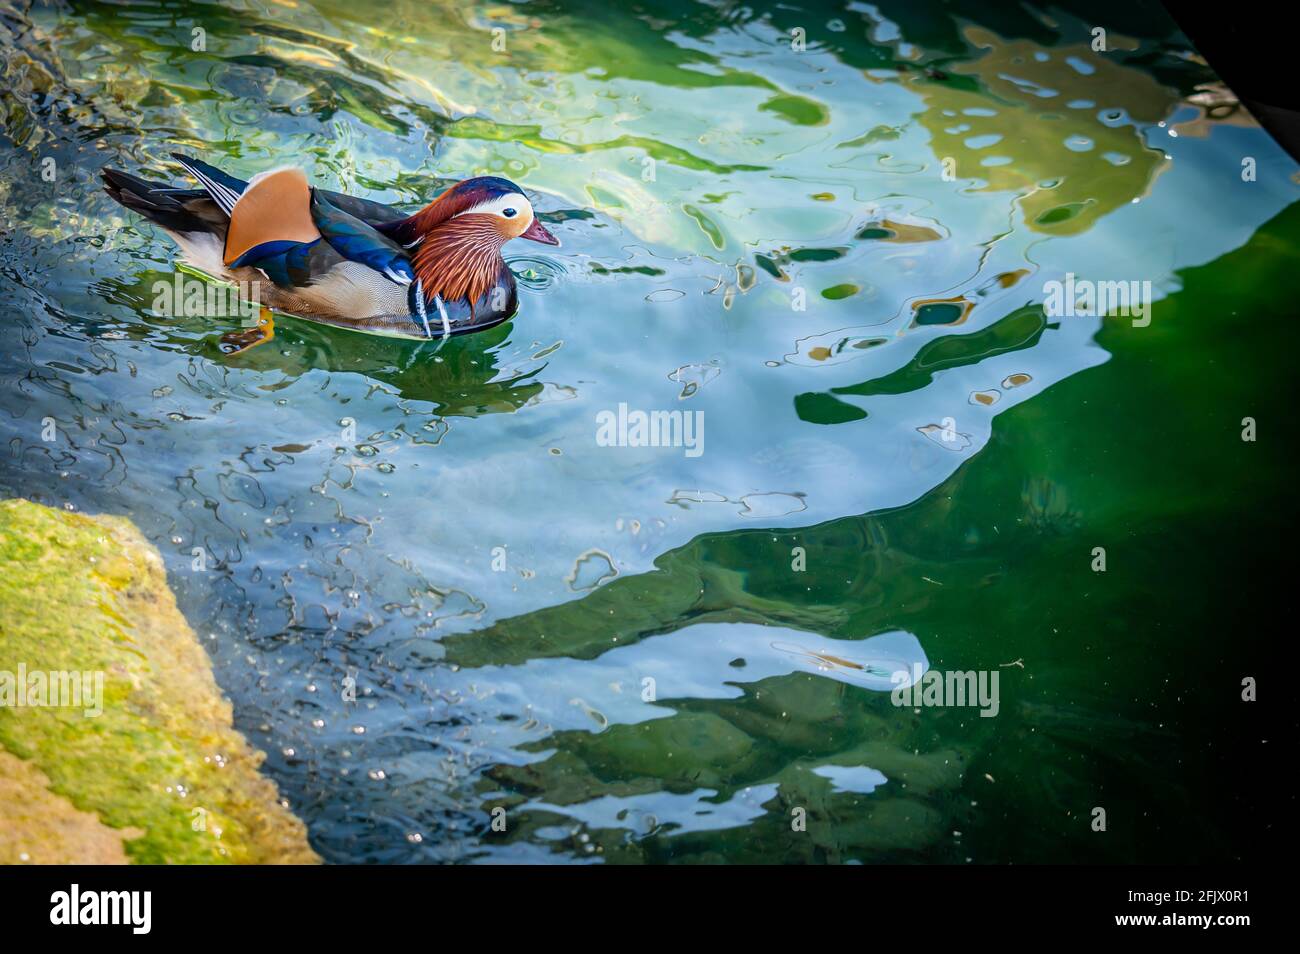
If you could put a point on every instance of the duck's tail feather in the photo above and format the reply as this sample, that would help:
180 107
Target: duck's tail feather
177 210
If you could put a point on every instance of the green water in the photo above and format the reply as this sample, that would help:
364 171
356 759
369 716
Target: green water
614 644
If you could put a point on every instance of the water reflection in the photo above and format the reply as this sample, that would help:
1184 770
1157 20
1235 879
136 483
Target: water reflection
458 378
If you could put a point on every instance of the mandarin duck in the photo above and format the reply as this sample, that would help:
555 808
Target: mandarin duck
342 260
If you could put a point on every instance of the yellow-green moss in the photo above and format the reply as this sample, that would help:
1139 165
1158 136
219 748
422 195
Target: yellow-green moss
89 594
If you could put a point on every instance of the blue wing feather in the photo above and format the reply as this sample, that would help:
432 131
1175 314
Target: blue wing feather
360 242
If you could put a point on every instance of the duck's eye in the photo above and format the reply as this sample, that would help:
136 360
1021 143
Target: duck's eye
509 213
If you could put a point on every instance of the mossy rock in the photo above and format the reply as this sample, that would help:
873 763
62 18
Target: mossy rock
160 775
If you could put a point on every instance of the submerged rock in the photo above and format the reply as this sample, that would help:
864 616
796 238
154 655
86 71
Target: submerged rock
115 741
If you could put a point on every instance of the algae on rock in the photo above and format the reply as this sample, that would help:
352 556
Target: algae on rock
160 776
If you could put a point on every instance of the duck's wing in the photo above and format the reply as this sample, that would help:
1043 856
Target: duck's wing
226 189
278 221
358 240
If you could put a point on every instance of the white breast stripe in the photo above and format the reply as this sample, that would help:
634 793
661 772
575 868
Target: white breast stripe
446 325
419 306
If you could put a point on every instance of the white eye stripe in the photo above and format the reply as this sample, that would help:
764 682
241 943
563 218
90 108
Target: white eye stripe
499 205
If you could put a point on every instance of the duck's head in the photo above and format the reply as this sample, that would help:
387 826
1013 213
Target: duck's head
486 210
456 239
498 203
